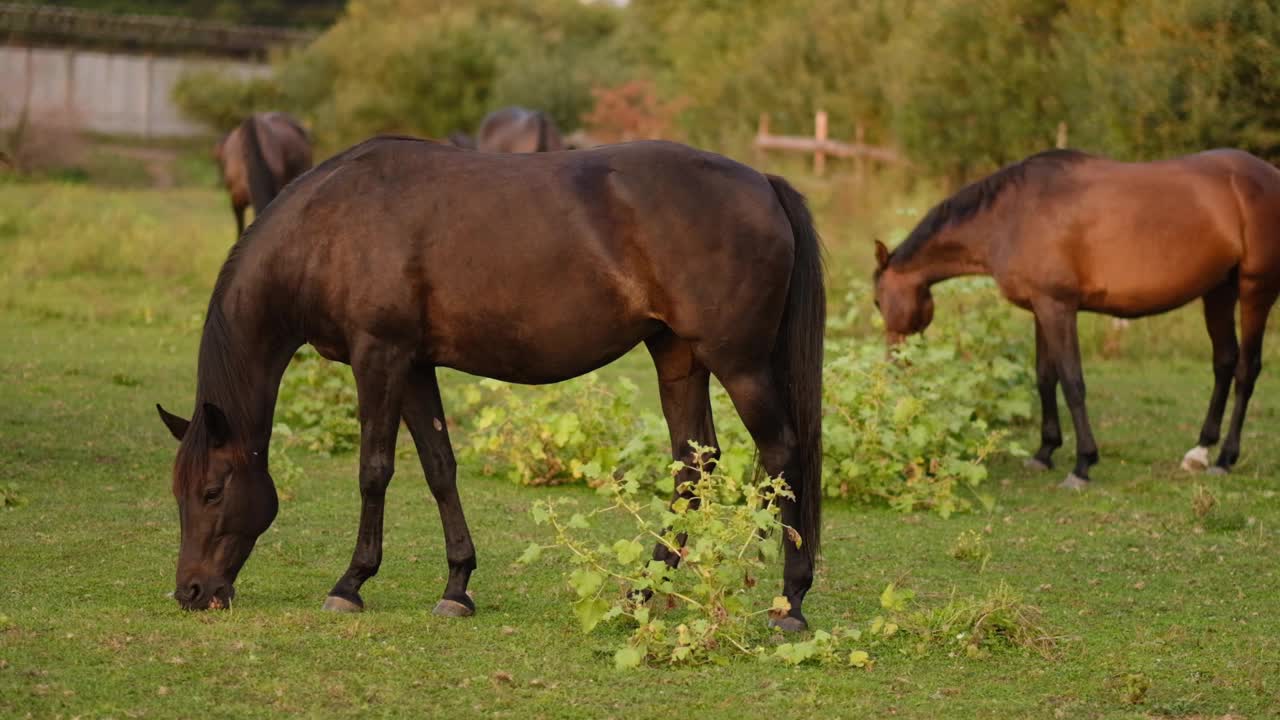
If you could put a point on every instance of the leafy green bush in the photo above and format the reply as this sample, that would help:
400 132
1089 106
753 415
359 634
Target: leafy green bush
316 408
700 612
221 99
709 610
584 430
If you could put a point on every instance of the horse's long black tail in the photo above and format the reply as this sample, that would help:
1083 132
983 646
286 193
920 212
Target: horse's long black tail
797 360
262 183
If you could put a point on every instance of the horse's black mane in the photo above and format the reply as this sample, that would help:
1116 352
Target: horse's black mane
976 197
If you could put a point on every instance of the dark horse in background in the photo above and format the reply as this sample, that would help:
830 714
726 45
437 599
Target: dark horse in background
255 172
513 130
400 256
1064 232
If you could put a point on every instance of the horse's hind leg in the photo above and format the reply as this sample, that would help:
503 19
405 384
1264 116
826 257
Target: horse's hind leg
424 414
1256 299
759 403
380 374
1219 319
683 385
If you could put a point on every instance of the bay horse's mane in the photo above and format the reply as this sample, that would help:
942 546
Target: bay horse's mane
978 196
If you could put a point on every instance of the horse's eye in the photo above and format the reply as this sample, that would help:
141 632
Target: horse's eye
213 494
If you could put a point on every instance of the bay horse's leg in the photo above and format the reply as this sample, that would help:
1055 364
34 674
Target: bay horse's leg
758 401
1219 319
1063 344
424 414
683 385
1255 304
380 380
1047 384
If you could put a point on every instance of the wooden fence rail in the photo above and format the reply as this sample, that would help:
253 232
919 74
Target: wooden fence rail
821 146
28 23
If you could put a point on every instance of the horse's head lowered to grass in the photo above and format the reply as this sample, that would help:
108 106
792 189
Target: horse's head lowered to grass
226 500
904 299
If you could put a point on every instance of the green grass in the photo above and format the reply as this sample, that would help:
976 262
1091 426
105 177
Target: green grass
100 299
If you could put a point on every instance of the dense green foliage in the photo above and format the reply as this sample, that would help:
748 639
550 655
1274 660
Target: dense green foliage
726 532
961 86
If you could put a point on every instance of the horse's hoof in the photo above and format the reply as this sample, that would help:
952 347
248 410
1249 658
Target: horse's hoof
1218 470
333 603
452 608
1196 459
1074 482
1034 463
789 624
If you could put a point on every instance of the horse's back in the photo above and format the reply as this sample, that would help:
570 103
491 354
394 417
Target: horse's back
525 267
1142 238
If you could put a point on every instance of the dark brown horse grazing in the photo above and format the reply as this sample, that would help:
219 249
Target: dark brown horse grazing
258 158
1063 232
400 256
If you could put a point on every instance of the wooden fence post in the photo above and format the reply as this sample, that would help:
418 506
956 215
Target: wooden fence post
859 162
1062 135
820 135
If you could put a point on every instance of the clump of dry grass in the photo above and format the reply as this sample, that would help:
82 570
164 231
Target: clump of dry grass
976 625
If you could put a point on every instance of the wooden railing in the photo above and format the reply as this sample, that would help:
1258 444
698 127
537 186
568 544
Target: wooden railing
44 24
821 146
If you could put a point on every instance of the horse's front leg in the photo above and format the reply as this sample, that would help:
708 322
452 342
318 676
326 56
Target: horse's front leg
380 380
1047 384
424 414
1063 344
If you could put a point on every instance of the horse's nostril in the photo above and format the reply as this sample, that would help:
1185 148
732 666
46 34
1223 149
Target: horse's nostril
189 593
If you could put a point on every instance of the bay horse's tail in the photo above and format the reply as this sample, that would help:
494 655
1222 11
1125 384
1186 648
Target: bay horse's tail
262 183
797 360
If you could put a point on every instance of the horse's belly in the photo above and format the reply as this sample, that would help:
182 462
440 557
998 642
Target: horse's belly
547 355
1127 288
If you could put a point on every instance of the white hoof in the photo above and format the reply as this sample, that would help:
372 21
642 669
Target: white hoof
1032 463
1196 459
1074 482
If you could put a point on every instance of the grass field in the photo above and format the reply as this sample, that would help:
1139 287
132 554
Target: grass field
1161 613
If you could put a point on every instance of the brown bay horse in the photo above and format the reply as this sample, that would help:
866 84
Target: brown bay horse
400 256
258 158
1064 232
513 130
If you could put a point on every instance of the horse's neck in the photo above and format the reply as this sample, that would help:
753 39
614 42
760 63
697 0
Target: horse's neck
257 355
959 249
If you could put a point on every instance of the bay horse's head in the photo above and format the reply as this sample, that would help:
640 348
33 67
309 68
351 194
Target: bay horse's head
903 298
226 500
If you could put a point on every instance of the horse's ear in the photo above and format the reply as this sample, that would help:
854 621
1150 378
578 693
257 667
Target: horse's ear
216 424
882 256
177 426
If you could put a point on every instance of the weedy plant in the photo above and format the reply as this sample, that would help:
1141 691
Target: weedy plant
707 609
971 547
704 610
317 405
10 497
585 430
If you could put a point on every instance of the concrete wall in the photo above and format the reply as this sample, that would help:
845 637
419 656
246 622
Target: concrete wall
107 92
